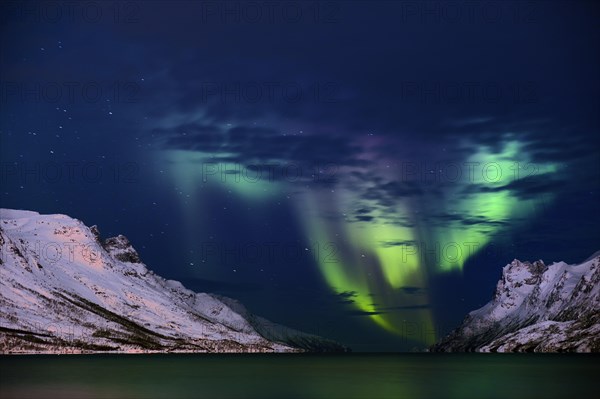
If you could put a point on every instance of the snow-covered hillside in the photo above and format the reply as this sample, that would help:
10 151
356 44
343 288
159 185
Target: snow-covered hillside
63 289
536 308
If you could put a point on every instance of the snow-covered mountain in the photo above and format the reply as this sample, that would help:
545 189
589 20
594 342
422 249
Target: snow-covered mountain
536 308
64 289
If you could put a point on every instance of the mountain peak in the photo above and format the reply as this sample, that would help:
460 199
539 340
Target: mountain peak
535 308
64 289
534 268
121 249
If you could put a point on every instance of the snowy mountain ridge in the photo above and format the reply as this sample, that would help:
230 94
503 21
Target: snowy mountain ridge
63 289
535 308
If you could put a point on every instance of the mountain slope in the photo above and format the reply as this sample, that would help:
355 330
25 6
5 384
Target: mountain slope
64 289
535 308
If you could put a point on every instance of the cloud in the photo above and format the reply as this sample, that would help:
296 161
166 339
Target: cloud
362 313
389 244
364 218
346 297
525 188
251 145
386 194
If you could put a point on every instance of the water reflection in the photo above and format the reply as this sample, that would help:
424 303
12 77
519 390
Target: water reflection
300 376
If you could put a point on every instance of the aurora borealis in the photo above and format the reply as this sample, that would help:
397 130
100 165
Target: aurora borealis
360 170
368 246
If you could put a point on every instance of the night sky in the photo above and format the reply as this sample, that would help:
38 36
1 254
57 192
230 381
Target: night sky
359 170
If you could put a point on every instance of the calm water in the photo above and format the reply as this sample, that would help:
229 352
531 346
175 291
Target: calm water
301 376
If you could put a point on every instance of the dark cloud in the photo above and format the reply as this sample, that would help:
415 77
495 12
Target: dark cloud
362 313
346 297
262 148
470 221
364 218
387 194
534 186
525 188
388 244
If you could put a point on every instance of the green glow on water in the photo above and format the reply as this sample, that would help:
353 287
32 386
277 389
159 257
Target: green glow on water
462 376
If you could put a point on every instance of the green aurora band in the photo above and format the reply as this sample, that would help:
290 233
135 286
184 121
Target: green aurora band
383 263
